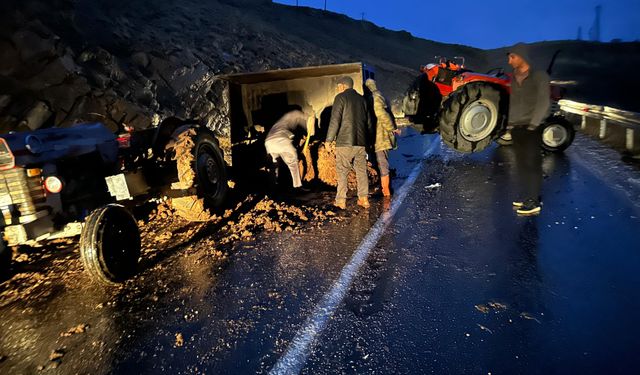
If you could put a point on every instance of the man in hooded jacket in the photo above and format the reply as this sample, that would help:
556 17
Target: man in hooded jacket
529 105
385 134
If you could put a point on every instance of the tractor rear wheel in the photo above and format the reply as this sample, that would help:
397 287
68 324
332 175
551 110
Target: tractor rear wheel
5 257
472 117
557 134
201 166
110 244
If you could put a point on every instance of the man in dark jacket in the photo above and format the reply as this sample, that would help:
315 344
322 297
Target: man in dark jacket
350 128
529 105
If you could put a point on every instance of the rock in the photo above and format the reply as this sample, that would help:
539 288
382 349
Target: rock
56 355
4 102
9 58
90 109
63 97
99 55
32 46
38 114
130 114
51 74
237 48
140 59
179 340
80 328
99 80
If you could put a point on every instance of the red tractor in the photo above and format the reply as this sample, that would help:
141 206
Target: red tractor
470 109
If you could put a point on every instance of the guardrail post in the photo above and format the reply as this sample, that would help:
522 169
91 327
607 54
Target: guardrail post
583 125
630 139
603 128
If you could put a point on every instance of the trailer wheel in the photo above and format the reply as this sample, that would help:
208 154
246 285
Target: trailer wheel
557 134
201 166
5 258
110 244
472 117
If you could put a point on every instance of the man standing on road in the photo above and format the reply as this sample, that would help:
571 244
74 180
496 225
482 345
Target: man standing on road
279 141
529 105
350 127
386 130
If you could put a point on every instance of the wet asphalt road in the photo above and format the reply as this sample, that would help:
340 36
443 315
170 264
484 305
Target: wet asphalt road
457 283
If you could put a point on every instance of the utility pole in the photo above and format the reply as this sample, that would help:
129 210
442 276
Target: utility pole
325 5
362 17
594 32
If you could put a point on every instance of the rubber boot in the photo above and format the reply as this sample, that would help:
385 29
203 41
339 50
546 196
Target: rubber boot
384 181
363 202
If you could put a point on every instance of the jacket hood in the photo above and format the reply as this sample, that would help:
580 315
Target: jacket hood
371 84
521 50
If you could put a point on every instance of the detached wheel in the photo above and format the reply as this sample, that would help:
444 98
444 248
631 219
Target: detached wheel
472 117
110 244
200 165
5 258
557 134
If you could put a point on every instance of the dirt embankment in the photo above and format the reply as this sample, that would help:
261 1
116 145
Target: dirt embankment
132 63
128 63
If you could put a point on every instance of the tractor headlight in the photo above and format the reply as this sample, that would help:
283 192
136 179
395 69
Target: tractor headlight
53 184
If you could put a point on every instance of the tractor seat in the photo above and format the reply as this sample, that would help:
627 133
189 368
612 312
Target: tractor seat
445 76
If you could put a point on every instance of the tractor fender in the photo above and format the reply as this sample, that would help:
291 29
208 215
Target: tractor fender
502 84
168 130
175 135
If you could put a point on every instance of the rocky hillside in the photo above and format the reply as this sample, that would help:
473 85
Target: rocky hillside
136 62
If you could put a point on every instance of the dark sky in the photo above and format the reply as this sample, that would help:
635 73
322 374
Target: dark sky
492 24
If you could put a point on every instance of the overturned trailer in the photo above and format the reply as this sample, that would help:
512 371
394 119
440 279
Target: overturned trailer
257 100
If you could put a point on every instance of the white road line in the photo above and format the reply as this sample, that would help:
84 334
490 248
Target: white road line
298 351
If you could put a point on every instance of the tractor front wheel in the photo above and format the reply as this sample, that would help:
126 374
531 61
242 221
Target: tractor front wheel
557 134
5 258
472 117
110 244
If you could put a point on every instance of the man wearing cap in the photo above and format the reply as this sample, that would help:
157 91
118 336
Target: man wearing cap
350 127
529 105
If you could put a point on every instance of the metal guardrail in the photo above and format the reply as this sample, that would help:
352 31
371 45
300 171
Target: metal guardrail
630 120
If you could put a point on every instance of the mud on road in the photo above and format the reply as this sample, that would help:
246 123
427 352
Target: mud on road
54 314
55 317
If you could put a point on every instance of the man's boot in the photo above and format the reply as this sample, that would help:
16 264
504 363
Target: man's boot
384 181
364 202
